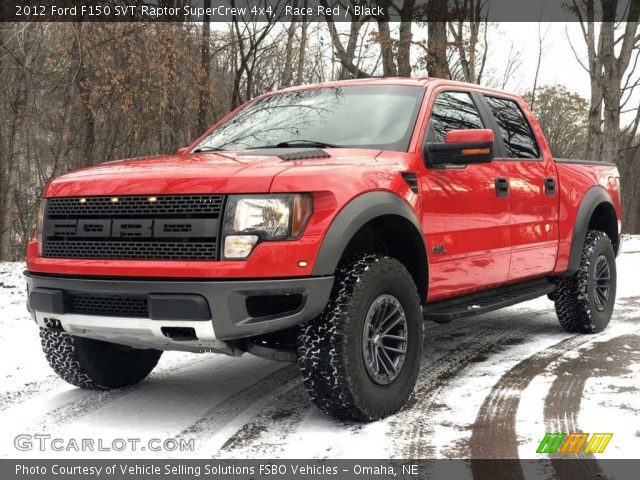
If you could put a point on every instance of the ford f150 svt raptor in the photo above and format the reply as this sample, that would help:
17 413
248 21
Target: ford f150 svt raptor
322 224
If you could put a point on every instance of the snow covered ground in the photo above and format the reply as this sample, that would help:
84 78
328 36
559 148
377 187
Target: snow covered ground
490 386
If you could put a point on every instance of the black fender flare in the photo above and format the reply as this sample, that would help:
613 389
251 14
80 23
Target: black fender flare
594 197
357 213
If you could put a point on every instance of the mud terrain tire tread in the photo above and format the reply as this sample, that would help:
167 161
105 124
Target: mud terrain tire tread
329 346
95 365
573 294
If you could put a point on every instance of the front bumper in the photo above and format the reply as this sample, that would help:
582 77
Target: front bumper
217 311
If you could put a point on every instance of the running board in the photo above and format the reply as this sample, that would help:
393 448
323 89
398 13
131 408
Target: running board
482 302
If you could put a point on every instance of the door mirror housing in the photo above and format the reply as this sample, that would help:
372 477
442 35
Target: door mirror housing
461 147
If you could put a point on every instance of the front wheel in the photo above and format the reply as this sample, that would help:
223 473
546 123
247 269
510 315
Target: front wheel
360 357
93 364
584 301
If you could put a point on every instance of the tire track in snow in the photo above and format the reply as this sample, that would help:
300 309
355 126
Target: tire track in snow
92 400
562 404
493 434
278 420
287 412
413 423
416 420
29 390
284 416
219 416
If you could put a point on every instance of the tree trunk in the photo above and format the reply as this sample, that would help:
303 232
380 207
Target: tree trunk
303 48
287 73
607 71
205 60
352 44
405 37
437 64
389 68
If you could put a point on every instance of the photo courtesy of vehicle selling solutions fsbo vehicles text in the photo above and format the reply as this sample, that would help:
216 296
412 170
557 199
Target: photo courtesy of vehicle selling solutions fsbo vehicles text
293 239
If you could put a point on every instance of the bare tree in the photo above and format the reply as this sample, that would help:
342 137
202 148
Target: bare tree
20 61
303 46
250 40
470 38
609 55
405 37
205 61
437 42
346 56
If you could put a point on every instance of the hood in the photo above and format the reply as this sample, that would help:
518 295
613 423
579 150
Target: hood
175 174
213 172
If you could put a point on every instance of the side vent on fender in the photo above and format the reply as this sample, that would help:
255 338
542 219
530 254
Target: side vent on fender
412 180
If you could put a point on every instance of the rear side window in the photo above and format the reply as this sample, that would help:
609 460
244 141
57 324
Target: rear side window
452 111
517 136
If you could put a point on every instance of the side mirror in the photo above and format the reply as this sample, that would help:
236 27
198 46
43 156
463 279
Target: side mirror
461 147
183 150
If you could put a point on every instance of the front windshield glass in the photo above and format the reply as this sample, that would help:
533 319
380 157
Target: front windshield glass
372 116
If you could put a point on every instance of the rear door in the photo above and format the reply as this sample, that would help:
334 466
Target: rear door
533 188
465 218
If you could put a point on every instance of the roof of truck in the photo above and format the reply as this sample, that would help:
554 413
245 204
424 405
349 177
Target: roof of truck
410 81
368 81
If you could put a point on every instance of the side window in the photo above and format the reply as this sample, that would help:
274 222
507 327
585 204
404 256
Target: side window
452 111
517 136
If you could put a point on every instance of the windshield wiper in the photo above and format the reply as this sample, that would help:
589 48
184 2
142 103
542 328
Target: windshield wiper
305 143
298 143
209 149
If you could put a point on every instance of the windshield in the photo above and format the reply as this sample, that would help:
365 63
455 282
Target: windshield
372 116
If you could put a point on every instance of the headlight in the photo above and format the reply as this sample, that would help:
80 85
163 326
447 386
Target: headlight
248 220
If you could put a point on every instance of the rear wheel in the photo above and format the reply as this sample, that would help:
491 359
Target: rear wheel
584 301
93 364
360 357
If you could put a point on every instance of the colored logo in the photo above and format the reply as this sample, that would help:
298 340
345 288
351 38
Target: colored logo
574 443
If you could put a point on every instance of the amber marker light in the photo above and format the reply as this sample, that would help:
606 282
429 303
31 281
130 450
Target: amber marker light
303 263
302 211
476 151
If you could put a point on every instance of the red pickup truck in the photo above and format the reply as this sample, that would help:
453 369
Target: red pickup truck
323 224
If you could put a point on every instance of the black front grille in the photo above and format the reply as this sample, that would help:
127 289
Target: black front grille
137 206
107 305
166 227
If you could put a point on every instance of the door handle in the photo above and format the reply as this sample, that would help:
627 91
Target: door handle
550 186
502 187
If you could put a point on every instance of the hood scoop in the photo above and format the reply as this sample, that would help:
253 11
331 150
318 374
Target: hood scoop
287 153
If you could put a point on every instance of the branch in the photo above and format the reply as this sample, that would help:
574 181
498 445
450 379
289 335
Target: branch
339 48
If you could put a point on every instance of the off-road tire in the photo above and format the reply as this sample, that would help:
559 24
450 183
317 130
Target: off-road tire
93 364
330 347
575 295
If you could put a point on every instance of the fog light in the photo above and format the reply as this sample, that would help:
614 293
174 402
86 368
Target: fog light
239 246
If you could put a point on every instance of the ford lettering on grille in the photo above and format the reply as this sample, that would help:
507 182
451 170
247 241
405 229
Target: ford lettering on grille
132 228
172 227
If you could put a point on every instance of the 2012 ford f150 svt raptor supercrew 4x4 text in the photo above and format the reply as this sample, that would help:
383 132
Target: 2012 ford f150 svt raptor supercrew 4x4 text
323 224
